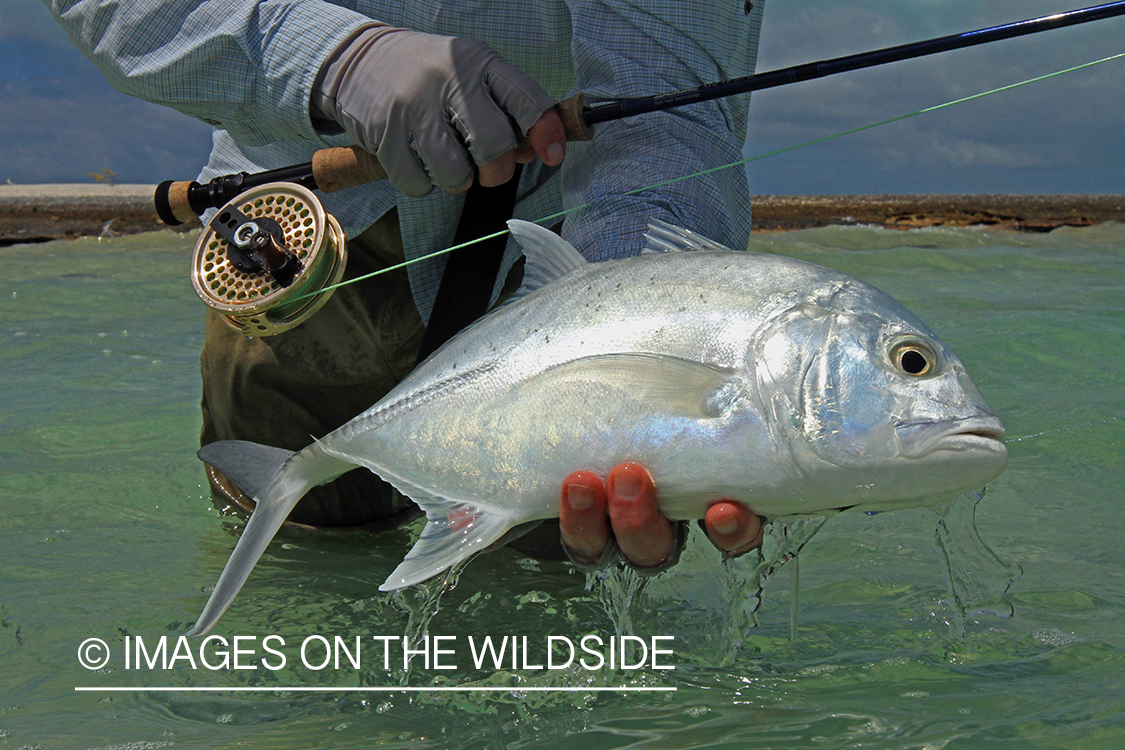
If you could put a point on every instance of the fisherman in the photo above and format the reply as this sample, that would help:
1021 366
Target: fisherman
440 90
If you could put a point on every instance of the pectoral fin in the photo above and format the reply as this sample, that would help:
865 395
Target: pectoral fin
671 384
458 528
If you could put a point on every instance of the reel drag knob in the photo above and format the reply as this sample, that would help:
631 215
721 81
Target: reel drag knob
265 261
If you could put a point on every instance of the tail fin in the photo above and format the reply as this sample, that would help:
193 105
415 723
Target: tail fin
276 479
249 465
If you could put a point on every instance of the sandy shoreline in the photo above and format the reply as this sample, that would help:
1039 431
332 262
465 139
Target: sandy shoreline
37 213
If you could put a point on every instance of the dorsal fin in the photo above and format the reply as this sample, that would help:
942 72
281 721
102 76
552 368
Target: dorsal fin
548 255
663 237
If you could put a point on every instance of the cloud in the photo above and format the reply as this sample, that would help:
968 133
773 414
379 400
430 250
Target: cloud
28 19
966 153
1058 135
64 140
1061 135
66 120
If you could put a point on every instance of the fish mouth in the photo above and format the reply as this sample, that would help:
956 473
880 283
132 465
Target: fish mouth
921 438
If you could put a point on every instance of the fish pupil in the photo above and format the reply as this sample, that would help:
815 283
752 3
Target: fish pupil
913 362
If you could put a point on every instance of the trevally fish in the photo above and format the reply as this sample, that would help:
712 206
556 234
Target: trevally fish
784 385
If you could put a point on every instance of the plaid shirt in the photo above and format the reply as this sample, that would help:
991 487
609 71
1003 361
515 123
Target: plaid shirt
247 67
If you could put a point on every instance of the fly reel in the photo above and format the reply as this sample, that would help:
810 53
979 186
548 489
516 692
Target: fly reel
264 261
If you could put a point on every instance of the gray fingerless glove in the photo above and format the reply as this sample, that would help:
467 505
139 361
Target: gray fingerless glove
427 106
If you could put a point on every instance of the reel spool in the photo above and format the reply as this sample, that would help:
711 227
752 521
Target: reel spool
258 301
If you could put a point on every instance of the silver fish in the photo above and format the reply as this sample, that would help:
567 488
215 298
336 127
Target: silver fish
785 385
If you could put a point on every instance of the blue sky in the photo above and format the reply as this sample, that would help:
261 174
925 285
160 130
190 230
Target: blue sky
62 121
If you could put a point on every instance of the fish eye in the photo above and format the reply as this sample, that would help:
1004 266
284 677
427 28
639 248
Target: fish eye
914 358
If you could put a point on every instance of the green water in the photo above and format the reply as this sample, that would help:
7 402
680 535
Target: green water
107 533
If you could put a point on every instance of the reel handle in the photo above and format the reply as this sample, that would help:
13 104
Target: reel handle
331 169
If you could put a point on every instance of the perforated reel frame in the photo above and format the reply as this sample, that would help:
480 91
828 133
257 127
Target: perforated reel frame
255 303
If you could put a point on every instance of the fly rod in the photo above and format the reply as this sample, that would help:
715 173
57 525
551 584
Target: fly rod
810 71
339 168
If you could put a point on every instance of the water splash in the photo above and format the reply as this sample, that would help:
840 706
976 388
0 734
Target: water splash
794 591
620 588
782 542
422 602
978 580
710 603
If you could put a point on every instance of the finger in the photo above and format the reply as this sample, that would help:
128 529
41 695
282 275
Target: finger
644 535
486 129
498 171
733 528
461 188
404 168
516 93
548 141
434 155
582 516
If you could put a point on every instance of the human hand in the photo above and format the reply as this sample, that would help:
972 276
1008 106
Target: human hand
624 509
430 107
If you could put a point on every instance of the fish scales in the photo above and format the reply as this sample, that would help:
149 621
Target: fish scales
601 427
771 381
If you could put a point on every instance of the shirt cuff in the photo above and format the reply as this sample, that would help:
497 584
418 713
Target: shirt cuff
300 44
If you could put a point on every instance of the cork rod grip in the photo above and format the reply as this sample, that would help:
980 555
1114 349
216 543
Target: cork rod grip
332 169
173 204
340 168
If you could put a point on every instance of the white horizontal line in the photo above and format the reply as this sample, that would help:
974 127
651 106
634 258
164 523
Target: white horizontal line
304 689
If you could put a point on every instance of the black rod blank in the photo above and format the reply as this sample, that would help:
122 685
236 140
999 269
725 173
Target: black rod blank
809 71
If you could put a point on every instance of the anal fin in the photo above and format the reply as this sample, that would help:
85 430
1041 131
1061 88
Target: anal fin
454 531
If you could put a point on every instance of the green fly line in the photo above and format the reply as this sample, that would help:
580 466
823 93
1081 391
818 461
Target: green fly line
552 217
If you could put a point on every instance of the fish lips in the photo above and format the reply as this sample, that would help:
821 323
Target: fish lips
944 458
922 437
977 440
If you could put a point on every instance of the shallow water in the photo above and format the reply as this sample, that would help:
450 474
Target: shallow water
107 533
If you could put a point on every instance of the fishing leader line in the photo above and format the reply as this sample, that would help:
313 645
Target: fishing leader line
1063 429
742 162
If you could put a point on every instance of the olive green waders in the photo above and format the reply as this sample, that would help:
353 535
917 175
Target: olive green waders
287 389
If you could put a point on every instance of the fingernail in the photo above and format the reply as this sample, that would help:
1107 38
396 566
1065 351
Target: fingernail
626 485
726 526
579 497
555 154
